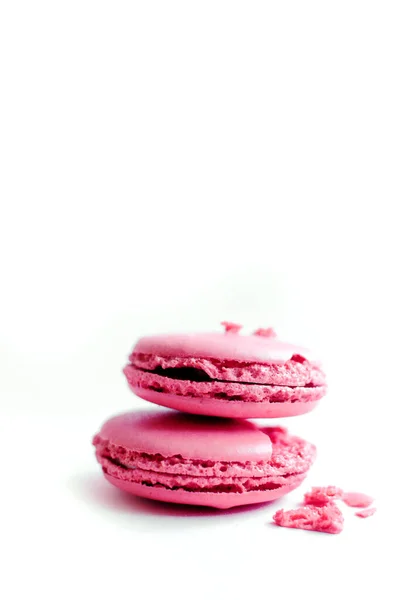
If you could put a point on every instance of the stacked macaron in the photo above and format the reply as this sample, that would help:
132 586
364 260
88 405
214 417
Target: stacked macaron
209 454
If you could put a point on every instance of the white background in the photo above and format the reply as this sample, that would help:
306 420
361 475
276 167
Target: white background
166 166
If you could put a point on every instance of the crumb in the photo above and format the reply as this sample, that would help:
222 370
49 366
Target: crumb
357 500
320 496
231 327
298 358
269 333
327 519
367 512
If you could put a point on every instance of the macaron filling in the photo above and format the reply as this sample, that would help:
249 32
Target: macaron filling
295 372
194 383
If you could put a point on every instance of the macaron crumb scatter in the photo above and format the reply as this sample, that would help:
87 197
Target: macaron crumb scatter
319 511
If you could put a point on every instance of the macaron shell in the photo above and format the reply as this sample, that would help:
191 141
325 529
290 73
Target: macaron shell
232 346
169 433
226 408
215 500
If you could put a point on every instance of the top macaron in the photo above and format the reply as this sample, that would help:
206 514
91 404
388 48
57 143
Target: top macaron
226 374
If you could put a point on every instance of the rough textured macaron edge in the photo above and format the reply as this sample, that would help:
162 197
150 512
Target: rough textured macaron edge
295 372
221 390
290 455
190 483
220 501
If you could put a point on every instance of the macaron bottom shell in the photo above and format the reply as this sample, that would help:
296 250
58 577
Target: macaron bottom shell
225 408
222 500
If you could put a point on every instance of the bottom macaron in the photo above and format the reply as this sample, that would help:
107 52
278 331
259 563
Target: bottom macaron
174 457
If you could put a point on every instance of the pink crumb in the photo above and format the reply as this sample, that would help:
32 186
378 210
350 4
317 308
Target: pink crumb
231 327
327 519
357 500
320 496
367 512
269 333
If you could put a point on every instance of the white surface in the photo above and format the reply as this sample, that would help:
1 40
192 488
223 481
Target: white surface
69 534
166 166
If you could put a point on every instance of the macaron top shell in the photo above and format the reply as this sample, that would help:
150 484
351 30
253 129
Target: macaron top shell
189 436
225 346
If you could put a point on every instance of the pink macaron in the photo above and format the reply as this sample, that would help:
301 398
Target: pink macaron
187 459
226 374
